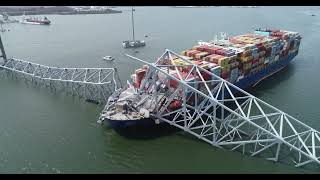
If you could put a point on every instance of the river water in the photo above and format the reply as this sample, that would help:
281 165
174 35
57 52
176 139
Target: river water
45 132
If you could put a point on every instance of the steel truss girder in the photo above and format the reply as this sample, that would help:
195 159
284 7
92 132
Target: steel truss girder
90 83
216 115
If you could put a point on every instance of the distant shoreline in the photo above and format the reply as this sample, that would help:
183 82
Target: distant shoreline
61 10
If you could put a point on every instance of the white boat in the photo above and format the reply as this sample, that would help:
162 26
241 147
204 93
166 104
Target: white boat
108 58
133 43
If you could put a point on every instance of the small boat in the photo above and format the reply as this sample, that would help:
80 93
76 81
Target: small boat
108 58
313 15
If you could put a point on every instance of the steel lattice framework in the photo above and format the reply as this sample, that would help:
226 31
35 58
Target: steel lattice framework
91 83
226 116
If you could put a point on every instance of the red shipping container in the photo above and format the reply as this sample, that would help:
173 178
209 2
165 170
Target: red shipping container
258 45
140 75
208 58
198 62
202 48
232 40
225 75
213 50
206 76
221 52
173 83
186 69
208 50
175 104
192 54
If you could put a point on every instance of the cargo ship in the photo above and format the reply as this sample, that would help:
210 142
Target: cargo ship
243 60
36 21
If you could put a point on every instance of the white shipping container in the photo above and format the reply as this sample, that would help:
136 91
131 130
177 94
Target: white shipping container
133 77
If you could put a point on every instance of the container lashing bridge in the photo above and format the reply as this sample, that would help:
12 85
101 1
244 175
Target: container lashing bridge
226 116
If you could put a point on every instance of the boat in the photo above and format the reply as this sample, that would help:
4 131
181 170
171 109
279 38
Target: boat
243 60
108 58
133 43
35 21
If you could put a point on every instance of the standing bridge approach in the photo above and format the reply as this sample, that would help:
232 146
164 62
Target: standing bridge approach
228 117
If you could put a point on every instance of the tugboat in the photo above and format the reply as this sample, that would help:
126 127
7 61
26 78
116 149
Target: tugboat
133 43
36 21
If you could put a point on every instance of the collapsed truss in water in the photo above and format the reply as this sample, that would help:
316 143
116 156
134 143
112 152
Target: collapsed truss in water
95 84
226 116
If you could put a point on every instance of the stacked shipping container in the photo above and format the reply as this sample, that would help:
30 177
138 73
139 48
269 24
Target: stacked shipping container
246 55
258 50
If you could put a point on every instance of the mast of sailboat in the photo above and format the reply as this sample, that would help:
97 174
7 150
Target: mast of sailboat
132 24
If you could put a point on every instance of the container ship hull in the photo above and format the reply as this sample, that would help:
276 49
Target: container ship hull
132 127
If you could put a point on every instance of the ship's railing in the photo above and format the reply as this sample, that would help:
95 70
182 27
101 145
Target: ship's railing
226 116
91 83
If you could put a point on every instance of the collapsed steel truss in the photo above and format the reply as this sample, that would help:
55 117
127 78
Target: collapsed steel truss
90 83
228 117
